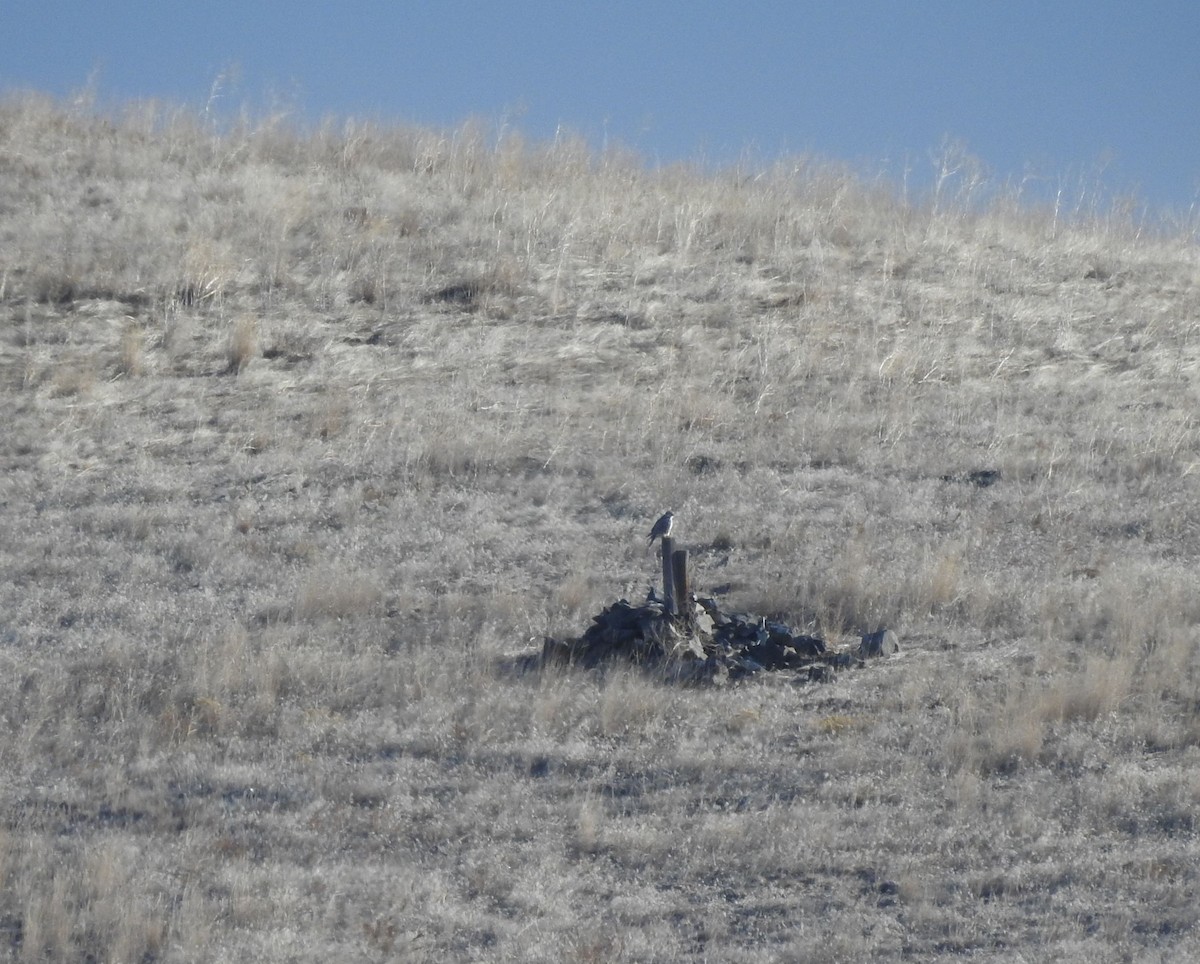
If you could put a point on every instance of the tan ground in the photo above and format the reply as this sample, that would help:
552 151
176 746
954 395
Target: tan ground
304 434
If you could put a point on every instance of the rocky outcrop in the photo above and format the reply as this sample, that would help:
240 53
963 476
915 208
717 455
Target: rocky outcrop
705 644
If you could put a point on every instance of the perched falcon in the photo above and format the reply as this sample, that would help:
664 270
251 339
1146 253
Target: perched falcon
662 527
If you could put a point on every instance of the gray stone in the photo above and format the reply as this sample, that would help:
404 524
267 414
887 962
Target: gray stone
701 646
883 642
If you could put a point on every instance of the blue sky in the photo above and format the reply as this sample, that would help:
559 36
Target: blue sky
1061 91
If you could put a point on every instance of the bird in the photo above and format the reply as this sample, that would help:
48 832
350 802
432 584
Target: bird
662 528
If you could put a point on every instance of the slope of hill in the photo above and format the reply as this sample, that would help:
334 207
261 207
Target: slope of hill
305 431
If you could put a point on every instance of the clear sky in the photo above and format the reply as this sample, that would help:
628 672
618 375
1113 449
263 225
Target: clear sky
1056 89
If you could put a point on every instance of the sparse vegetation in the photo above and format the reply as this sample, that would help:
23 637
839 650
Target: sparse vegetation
306 430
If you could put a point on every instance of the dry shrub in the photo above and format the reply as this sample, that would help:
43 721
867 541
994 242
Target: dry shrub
73 376
242 345
337 595
836 724
589 826
1096 690
575 591
95 903
942 578
1015 740
491 289
132 361
207 270
629 704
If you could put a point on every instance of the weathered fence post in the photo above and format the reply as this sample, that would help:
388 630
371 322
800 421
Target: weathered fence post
668 553
679 579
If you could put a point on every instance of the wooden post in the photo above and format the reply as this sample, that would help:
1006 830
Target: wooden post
668 553
679 577
679 574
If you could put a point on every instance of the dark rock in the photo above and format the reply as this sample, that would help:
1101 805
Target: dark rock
766 654
984 477
702 464
809 645
462 293
700 645
746 665
981 478
883 642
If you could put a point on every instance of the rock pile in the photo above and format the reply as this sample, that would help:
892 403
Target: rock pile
704 644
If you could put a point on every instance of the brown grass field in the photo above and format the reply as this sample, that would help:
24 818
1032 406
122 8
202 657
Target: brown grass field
307 431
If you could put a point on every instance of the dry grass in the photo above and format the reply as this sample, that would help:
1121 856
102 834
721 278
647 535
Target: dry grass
243 346
306 431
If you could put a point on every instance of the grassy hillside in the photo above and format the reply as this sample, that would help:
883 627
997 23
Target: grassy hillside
306 431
